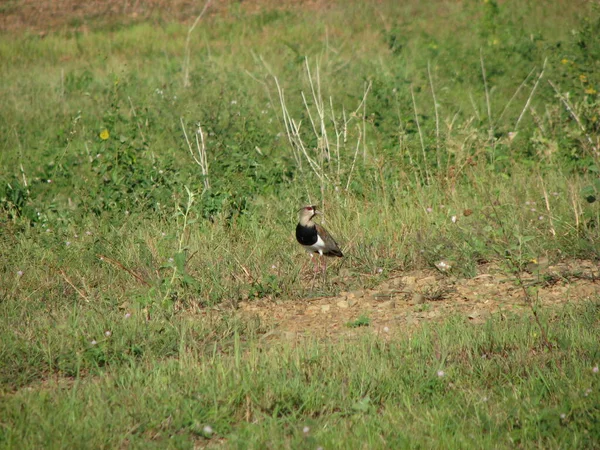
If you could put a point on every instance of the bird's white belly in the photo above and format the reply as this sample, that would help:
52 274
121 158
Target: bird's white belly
318 246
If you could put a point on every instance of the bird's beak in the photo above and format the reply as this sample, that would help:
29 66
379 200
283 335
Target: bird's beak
316 210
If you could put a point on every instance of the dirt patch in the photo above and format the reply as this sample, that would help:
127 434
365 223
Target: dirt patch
406 301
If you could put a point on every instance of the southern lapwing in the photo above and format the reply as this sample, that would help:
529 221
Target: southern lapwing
313 237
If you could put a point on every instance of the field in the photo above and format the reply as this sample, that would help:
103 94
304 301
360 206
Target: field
153 157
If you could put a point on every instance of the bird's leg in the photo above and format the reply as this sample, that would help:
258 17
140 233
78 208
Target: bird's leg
324 258
315 264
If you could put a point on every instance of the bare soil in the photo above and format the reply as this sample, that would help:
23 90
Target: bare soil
404 302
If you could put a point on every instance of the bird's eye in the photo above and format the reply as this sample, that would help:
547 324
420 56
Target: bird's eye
309 208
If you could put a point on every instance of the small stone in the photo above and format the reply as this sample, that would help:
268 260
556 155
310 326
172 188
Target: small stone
427 280
409 280
418 298
325 308
387 305
342 304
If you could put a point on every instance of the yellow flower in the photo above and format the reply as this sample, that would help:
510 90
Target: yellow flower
583 78
104 134
564 61
590 91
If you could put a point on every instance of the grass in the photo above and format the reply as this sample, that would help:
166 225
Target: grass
447 386
462 133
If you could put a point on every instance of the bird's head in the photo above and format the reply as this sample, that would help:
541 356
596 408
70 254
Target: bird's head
306 214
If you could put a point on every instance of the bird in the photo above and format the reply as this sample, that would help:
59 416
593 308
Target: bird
313 237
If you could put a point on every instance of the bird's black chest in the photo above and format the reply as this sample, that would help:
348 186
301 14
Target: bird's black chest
306 235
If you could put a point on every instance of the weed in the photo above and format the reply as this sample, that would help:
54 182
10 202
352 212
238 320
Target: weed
362 321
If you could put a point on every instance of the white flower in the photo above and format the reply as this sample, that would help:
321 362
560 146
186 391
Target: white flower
93 342
443 266
305 430
453 219
107 333
20 273
563 416
440 373
595 369
386 330
128 315
207 429
68 243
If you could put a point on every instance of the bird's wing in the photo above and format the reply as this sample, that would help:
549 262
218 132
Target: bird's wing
331 247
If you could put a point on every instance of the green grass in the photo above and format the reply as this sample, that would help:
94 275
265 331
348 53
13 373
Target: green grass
448 386
380 114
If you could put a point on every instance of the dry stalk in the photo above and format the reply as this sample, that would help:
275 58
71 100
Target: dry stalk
565 101
412 94
186 60
552 230
353 161
437 118
116 263
537 82
70 283
487 99
320 116
515 94
200 155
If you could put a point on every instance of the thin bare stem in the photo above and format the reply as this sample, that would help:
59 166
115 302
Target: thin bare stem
287 122
23 174
487 99
137 121
116 263
364 121
186 61
70 283
537 82
200 158
571 110
412 94
515 94
552 230
474 106
353 161
437 117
